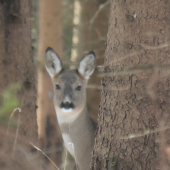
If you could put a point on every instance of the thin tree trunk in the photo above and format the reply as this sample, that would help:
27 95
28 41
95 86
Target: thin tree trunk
50 35
68 25
134 105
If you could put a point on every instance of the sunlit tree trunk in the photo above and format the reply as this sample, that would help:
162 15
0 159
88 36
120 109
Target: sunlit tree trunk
50 35
68 16
134 107
16 65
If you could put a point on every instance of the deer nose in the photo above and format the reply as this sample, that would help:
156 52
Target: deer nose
67 105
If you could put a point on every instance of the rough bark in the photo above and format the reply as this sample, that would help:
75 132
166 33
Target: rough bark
50 35
135 101
16 65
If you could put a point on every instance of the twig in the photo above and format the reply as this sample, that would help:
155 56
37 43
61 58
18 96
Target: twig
65 159
108 88
19 109
98 11
21 16
44 155
131 136
16 135
136 69
120 59
154 48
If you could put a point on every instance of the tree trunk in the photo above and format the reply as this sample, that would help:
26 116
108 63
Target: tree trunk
16 60
67 22
16 65
134 107
50 35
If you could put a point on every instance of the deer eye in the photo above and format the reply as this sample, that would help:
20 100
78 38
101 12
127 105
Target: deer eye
78 88
57 87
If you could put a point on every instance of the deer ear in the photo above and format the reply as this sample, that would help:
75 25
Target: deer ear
52 62
87 64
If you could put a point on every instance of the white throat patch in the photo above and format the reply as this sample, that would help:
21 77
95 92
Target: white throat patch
67 110
64 118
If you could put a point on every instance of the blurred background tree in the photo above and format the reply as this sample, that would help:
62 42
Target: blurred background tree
17 84
50 35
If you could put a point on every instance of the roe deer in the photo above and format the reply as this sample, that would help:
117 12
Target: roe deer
76 126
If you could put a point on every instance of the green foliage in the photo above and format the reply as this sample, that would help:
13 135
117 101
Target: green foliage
127 64
9 100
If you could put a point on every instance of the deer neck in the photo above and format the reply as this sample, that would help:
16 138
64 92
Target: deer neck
78 134
70 118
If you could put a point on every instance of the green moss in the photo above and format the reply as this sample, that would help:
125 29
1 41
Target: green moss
9 100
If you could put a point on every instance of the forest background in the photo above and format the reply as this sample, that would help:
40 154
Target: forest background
131 104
